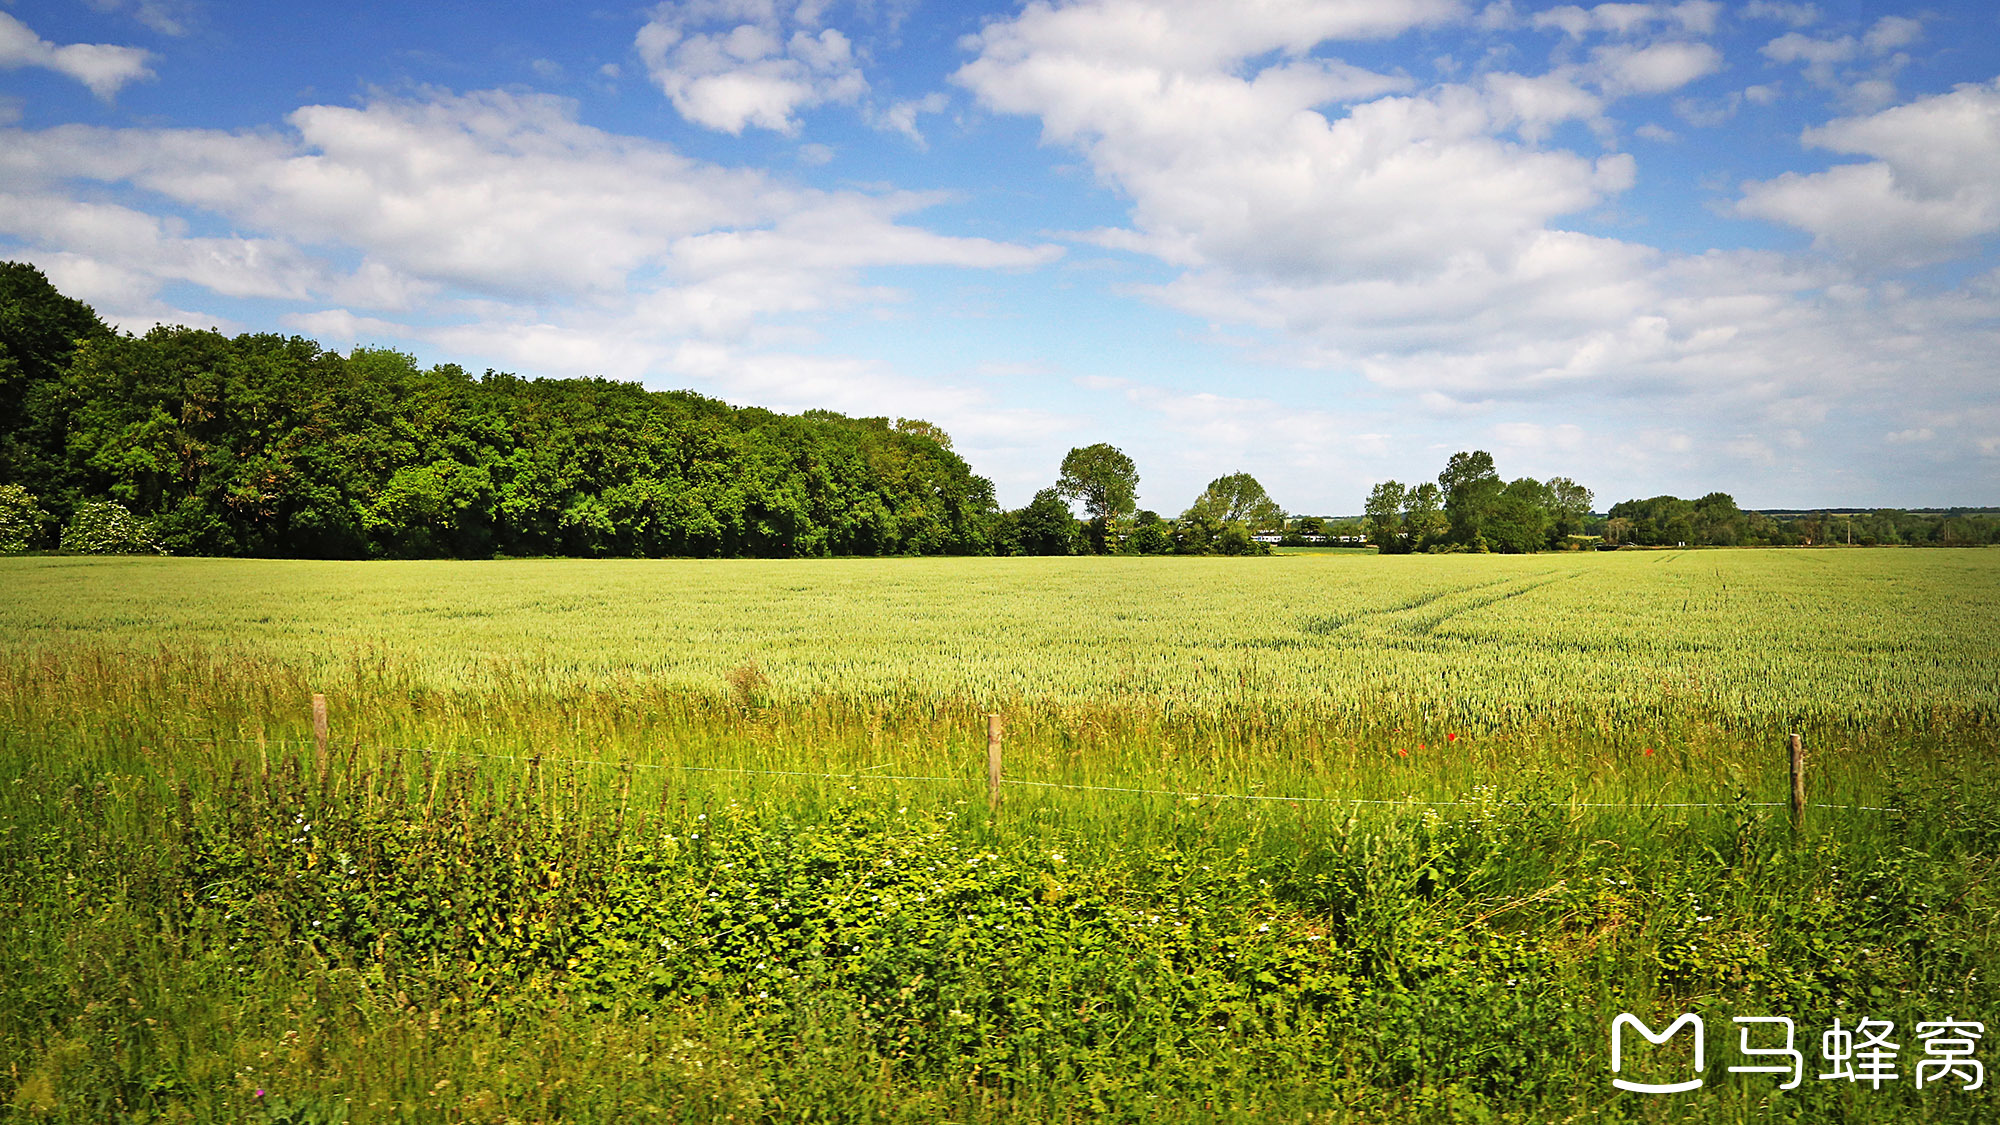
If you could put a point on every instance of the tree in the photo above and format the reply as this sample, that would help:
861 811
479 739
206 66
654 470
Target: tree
1045 526
1569 507
1150 534
1238 498
1106 481
917 427
1424 520
1384 513
1717 520
1471 487
39 331
1517 523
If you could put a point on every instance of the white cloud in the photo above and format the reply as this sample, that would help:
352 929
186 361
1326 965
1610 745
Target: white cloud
102 67
1401 235
1869 83
494 194
1798 15
1655 69
901 117
730 65
168 17
1891 32
1695 17
1931 193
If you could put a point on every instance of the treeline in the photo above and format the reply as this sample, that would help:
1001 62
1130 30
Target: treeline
196 443
272 445
1716 521
1471 509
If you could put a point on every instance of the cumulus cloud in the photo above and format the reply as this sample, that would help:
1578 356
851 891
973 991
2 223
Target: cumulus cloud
1869 82
500 195
732 64
1417 237
1655 69
1932 192
104 68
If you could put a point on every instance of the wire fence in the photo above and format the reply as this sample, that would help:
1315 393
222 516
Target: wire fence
1181 794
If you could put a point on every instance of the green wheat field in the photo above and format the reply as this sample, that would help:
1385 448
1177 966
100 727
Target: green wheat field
1319 837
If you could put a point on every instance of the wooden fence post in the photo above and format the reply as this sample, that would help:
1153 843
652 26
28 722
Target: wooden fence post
1798 757
319 732
992 763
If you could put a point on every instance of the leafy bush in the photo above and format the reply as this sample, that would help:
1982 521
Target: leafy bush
105 527
21 520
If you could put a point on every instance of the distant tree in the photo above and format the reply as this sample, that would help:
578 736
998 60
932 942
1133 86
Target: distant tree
1308 525
1045 526
1569 508
1470 486
1151 535
21 520
1106 481
1717 521
1424 521
1384 514
1517 522
1238 498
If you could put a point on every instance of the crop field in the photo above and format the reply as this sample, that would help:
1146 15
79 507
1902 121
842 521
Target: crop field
1327 837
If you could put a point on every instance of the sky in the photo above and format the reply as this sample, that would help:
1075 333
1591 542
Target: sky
1657 248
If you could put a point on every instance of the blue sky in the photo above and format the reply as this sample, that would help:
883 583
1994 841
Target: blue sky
1657 248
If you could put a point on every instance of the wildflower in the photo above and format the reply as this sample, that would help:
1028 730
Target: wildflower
1420 746
1451 738
1402 752
1648 751
260 1092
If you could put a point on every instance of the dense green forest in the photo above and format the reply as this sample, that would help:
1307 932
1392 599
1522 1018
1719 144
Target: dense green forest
272 445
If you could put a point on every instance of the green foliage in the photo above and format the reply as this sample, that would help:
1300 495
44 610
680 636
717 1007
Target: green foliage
1238 498
1106 481
1384 514
1471 487
21 520
1150 535
39 332
106 528
1045 527
269 445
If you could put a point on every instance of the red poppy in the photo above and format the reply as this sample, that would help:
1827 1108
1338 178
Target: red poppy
1451 738
1420 746
1404 753
1648 751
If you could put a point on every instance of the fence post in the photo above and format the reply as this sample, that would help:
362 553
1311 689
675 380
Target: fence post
992 763
1798 758
319 732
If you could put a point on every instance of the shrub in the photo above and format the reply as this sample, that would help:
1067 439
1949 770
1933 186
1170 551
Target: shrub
105 527
21 520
